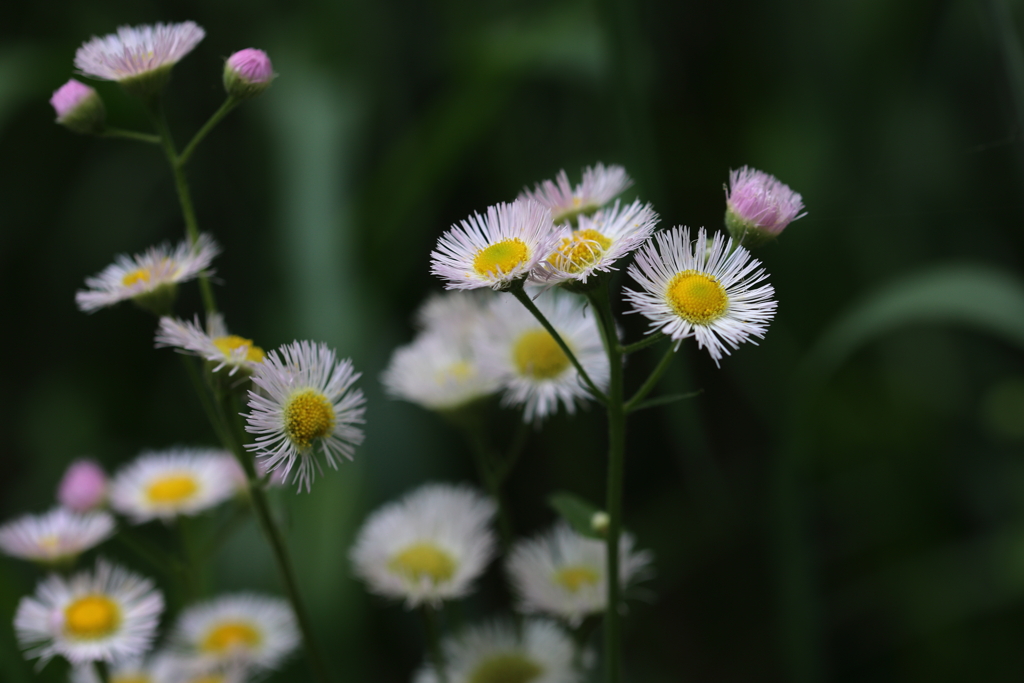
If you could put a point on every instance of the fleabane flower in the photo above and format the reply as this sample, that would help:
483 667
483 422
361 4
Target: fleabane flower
156 667
55 537
498 652
79 108
108 614
244 630
691 289
759 206
180 481
455 314
83 486
149 279
535 372
427 547
215 344
495 250
437 374
598 242
247 73
599 186
140 58
564 574
306 403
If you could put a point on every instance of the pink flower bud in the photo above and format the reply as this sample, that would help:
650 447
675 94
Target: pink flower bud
78 107
84 486
759 206
247 73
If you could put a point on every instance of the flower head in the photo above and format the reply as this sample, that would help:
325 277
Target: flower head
563 574
83 486
56 536
242 630
306 403
494 251
598 242
108 614
599 186
534 370
140 58
149 279
163 485
693 290
247 73
427 547
496 652
79 107
759 206
435 373
221 349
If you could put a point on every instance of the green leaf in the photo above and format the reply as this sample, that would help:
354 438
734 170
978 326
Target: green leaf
576 511
663 400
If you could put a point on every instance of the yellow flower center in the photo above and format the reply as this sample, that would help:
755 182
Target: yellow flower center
308 415
697 297
130 678
207 679
574 577
506 667
539 356
91 617
172 488
423 560
253 354
231 635
137 275
457 372
501 257
584 248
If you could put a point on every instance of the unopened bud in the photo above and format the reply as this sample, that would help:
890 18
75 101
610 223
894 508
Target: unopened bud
247 73
79 108
599 522
83 487
759 206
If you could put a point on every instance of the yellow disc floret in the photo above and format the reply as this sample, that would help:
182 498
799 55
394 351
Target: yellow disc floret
308 416
253 354
172 488
91 617
507 667
583 248
131 678
137 275
574 577
538 355
456 373
423 560
230 636
697 297
501 257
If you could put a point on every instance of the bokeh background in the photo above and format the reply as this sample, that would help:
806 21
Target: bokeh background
844 502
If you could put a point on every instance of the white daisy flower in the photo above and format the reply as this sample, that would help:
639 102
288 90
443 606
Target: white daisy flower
110 614
599 186
564 574
494 251
57 536
455 314
427 547
693 290
240 630
155 668
149 279
214 343
164 484
494 652
307 401
138 57
598 242
535 372
436 373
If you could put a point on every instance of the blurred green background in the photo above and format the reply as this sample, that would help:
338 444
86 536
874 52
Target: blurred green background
844 502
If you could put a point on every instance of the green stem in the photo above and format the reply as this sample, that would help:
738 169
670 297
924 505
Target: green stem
653 380
616 471
109 132
184 195
649 340
433 629
518 292
491 479
229 104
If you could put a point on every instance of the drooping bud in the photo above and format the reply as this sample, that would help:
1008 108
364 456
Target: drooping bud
759 206
247 73
83 487
79 108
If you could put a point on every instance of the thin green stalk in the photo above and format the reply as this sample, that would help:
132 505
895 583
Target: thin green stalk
123 134
229 104
653 379
433 630
518 292
489 476
616 473
649 340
